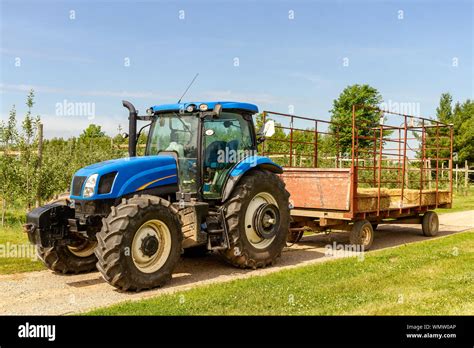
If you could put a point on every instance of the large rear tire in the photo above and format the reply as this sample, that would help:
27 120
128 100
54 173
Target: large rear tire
257 235
139 244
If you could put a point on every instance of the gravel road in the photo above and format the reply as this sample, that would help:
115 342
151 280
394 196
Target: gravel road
42 293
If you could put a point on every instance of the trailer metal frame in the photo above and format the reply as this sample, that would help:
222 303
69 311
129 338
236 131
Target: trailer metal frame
431 143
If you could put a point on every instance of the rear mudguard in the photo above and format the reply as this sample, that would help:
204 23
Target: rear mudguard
245 165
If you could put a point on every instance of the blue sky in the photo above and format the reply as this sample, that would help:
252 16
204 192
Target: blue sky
283 63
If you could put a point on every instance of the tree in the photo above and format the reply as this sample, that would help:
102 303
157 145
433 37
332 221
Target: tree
436 139
9 164
91 132
444 112
464 131
342 114
29 157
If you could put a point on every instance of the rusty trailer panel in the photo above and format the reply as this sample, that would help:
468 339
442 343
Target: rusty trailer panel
318 188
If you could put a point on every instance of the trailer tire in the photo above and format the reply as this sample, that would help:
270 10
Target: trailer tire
430 224
61 259
362 234
248 247
139 244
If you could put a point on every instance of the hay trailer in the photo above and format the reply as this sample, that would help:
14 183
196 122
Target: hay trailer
341 178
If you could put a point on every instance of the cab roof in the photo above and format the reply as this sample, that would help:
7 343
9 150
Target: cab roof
210 106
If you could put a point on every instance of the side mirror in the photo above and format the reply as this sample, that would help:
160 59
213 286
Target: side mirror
217 110
268 129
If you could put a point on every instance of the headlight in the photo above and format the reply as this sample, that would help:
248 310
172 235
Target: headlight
203 107
89 187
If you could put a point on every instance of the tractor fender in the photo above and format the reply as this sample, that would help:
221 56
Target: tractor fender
245 165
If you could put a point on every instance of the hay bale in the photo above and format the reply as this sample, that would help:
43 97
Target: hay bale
367 199
391 198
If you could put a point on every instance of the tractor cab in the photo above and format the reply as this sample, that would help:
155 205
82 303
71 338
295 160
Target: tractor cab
206 144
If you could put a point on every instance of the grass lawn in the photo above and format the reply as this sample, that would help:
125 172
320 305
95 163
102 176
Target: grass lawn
434 277
461 201
14 242
14 235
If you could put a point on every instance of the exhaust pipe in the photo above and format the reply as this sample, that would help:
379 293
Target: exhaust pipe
132 128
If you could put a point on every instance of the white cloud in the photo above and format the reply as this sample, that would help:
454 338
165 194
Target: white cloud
94 93
258 98
48 56
315 79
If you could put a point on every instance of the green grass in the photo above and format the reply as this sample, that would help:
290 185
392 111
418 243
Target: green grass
14 235
13 241
462 200
434 277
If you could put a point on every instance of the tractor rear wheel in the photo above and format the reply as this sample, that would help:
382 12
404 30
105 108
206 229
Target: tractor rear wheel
139 244
257 217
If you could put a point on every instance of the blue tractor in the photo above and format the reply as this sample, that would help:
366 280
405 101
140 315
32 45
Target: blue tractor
200 186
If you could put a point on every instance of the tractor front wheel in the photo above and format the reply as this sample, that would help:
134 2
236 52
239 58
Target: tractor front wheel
257 217
139 244
66 259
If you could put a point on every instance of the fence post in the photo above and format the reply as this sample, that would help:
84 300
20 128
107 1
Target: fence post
466 176
40 160
457 169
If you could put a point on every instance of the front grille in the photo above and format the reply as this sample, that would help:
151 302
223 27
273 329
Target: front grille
77 183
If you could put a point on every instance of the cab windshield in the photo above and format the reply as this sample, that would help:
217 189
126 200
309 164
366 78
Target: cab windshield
178 134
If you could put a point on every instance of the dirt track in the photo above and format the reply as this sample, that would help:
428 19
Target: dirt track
47 293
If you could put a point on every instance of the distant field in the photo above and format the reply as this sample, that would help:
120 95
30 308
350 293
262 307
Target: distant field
433 277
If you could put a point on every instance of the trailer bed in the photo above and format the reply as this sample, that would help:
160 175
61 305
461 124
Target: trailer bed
329 190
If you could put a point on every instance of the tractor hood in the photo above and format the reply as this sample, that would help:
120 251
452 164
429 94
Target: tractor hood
119 177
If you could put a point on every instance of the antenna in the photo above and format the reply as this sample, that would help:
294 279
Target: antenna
179 101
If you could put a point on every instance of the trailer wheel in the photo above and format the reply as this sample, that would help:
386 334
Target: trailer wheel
139 243
362 234
65 259
257 217
430 224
